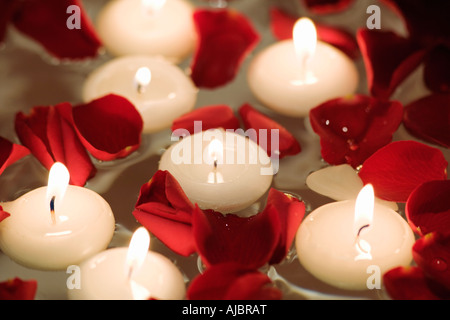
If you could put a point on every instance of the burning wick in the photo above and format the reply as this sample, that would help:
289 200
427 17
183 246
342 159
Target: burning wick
52 209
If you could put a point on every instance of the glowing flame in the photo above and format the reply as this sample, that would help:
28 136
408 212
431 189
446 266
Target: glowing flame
305 39
215 154
137 251
58 180
364 208
142 79
152 6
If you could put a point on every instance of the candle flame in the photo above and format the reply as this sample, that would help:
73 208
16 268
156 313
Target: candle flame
305 39
152 7
137 251
58 180
142 79
364 208
215 154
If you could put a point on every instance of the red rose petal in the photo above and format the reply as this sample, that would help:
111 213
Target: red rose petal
388 59
427 22
409 283
51 138
10 153
437 64
230 281
164 209
7 8
109 127
46 22
229 238
428 118
216 116
327 6
3 214
428 208
351 129
262 124
398 168
290 212
225 39
17 289
432 255
282 25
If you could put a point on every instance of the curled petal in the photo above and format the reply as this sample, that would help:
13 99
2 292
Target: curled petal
216 116
327 6
228 238
10 153
109 127
437 62
428 118
230 281
432 255
51 138
264 127
225 39
47 23
164 209
428 208
410 283
351 129
398 168
388 59
282 25
290 213
18 289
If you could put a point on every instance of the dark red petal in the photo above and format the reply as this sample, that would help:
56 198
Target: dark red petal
398 168
327 6
432 255
229 238
7 8
225 39
263 126
216 116
427 22
282 25
17 289
230 281
109 127
388 59
408 283
164 209
352 128
46 22
290 212
10 153
51 138
437 64
428 208
428 118
3 214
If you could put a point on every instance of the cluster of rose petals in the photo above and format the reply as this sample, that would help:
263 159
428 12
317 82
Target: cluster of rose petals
109 128
18 289
45 22
352 128
248 243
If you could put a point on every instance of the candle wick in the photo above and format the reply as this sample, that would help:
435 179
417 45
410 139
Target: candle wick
215 164
360 229
52 209
140 88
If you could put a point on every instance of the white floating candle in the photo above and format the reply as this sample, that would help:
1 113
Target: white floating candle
338 242
50 229
151 27
159 90
219 170
132 273
293 76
